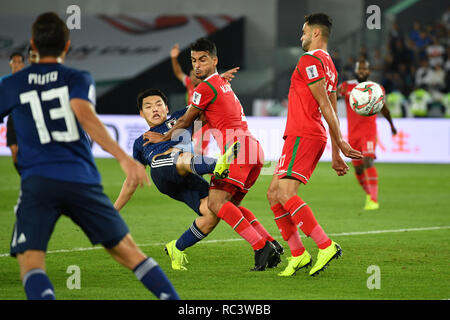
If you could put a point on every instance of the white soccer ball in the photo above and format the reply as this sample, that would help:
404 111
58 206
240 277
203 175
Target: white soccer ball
367 98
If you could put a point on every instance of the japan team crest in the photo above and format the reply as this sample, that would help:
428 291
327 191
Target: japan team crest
171 123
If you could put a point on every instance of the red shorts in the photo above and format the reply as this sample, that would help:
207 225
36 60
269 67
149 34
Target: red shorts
244 170
299 158
366 144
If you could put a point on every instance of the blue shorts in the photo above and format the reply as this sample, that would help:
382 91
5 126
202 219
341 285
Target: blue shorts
189 189
42 201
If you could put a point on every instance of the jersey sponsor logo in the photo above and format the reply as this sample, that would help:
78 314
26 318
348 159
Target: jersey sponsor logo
311 71
196 98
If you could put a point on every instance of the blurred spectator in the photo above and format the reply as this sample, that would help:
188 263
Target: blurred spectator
349 68
363 53
406 78
435 80
419 100
396 103
422 43
446 18
398 54
337 61
376 63
394 35
414 33
389 83
435 52
422 72
412 53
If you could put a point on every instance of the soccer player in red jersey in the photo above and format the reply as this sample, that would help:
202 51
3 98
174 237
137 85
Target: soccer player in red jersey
215 99
362 134
201 137
312 94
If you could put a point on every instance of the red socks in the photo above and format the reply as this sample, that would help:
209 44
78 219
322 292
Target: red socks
372 183
288 230
233 216
362 179
250 217
303 217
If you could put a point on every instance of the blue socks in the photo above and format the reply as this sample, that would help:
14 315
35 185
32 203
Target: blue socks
38 286
155 280
190 237
201 165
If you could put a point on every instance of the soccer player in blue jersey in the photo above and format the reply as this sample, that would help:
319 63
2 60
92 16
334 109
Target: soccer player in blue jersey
16 63
176 171
53 110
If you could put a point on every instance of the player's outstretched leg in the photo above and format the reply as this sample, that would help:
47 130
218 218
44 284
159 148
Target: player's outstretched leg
223 163
198 230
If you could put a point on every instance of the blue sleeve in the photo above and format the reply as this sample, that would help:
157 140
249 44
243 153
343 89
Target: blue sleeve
6 99
82 86
137 147
179 113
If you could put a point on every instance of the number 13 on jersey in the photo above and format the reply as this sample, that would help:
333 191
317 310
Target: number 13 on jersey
64 111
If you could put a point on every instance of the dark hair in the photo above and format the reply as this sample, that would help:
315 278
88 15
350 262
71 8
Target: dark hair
150 92
50 34
204 44
16 54
322 20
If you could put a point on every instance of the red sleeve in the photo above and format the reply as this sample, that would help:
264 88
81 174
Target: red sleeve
310 68
203 95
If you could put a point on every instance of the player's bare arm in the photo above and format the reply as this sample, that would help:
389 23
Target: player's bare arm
387 114
229 74
84 111
337 163
182 123
127 191
174 53
320 94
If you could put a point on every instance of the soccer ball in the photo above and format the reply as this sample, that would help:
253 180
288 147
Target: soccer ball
367 98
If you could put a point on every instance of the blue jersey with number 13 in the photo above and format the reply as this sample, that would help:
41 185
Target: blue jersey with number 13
51 141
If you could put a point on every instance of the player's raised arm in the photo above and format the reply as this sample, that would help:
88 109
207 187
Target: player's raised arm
84 111
174 53
320 94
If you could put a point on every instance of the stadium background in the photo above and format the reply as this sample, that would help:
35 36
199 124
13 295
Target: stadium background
262 37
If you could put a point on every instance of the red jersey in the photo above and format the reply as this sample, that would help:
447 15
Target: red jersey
187 82
221 108
357 125
304 117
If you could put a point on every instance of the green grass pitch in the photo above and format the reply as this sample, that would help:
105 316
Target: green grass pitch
407 239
